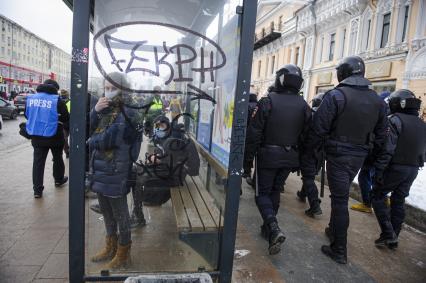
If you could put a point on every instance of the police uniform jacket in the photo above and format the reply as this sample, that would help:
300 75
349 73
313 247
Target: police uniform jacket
330 111
275 136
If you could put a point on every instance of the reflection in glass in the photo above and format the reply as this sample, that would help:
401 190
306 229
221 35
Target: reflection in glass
155 67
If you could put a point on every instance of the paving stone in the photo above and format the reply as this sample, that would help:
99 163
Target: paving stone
56 266
18 273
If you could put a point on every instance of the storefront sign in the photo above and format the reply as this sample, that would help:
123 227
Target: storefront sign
324 78
378 70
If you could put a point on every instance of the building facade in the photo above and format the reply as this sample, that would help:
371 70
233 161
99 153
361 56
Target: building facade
26 60
390 35
276 42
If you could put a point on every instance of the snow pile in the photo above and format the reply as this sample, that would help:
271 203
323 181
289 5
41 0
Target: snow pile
417 195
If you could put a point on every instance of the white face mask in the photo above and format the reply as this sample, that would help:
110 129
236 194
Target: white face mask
112 94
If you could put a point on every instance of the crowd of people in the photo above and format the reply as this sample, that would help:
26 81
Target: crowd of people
348 128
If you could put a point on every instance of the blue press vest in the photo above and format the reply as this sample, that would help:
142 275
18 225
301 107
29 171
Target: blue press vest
42 114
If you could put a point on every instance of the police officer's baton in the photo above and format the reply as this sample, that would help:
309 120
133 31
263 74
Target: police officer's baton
322 168
255 171
322 176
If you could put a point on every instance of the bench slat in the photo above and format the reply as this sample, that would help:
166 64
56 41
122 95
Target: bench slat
179 210
208 200
191 211
203 211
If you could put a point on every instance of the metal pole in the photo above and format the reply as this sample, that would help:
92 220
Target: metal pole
79 75
247 23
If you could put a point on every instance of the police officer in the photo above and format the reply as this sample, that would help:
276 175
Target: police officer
309 166
350 120
404 153
274 135
47 117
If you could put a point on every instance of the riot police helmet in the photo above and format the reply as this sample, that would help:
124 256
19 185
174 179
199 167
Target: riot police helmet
289 76
316 101
350 66
403 100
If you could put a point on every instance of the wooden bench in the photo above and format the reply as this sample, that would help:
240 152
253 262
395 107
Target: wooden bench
198 220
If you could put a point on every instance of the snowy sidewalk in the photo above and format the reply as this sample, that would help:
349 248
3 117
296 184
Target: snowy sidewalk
34 237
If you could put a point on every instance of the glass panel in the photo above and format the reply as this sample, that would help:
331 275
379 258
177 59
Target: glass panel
385 30
162 79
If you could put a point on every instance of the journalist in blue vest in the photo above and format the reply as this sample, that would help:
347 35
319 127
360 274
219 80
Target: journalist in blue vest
350 123
404 153
47 117
274 137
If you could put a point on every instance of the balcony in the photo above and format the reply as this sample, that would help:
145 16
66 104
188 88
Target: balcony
265 37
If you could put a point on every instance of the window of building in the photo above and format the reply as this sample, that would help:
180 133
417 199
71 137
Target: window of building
2 51
383 86
385 30
319 54
3 38
14 42
404 28
8 51
272 64
367 39
332 45
296 56
272 26
280 23
8 41
263 32
342 50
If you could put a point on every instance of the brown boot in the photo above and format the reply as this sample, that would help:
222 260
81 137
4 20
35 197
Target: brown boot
109 251
121 258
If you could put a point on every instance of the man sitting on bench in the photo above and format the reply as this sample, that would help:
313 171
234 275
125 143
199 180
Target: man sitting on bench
174 157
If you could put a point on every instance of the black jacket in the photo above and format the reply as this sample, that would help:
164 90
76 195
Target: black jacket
63 122
331 107
256 131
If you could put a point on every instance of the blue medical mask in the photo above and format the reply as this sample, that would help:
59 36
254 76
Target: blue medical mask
160 133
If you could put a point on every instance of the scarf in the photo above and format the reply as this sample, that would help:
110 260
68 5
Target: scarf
107 120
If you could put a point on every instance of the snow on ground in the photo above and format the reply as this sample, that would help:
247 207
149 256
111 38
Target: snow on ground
417 195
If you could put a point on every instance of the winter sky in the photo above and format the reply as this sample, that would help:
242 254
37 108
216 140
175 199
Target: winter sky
49 19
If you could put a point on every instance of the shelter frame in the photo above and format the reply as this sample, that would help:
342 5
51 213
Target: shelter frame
82 11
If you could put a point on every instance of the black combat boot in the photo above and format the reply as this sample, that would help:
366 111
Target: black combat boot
388 238
387 241
336 253
314 210
276 238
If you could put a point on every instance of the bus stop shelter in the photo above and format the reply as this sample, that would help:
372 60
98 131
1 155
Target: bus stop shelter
197 51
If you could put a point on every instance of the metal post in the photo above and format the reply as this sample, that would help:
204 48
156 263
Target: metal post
79 76
247 23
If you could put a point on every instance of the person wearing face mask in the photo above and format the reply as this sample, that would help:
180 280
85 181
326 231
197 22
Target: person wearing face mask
113 147
174 157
